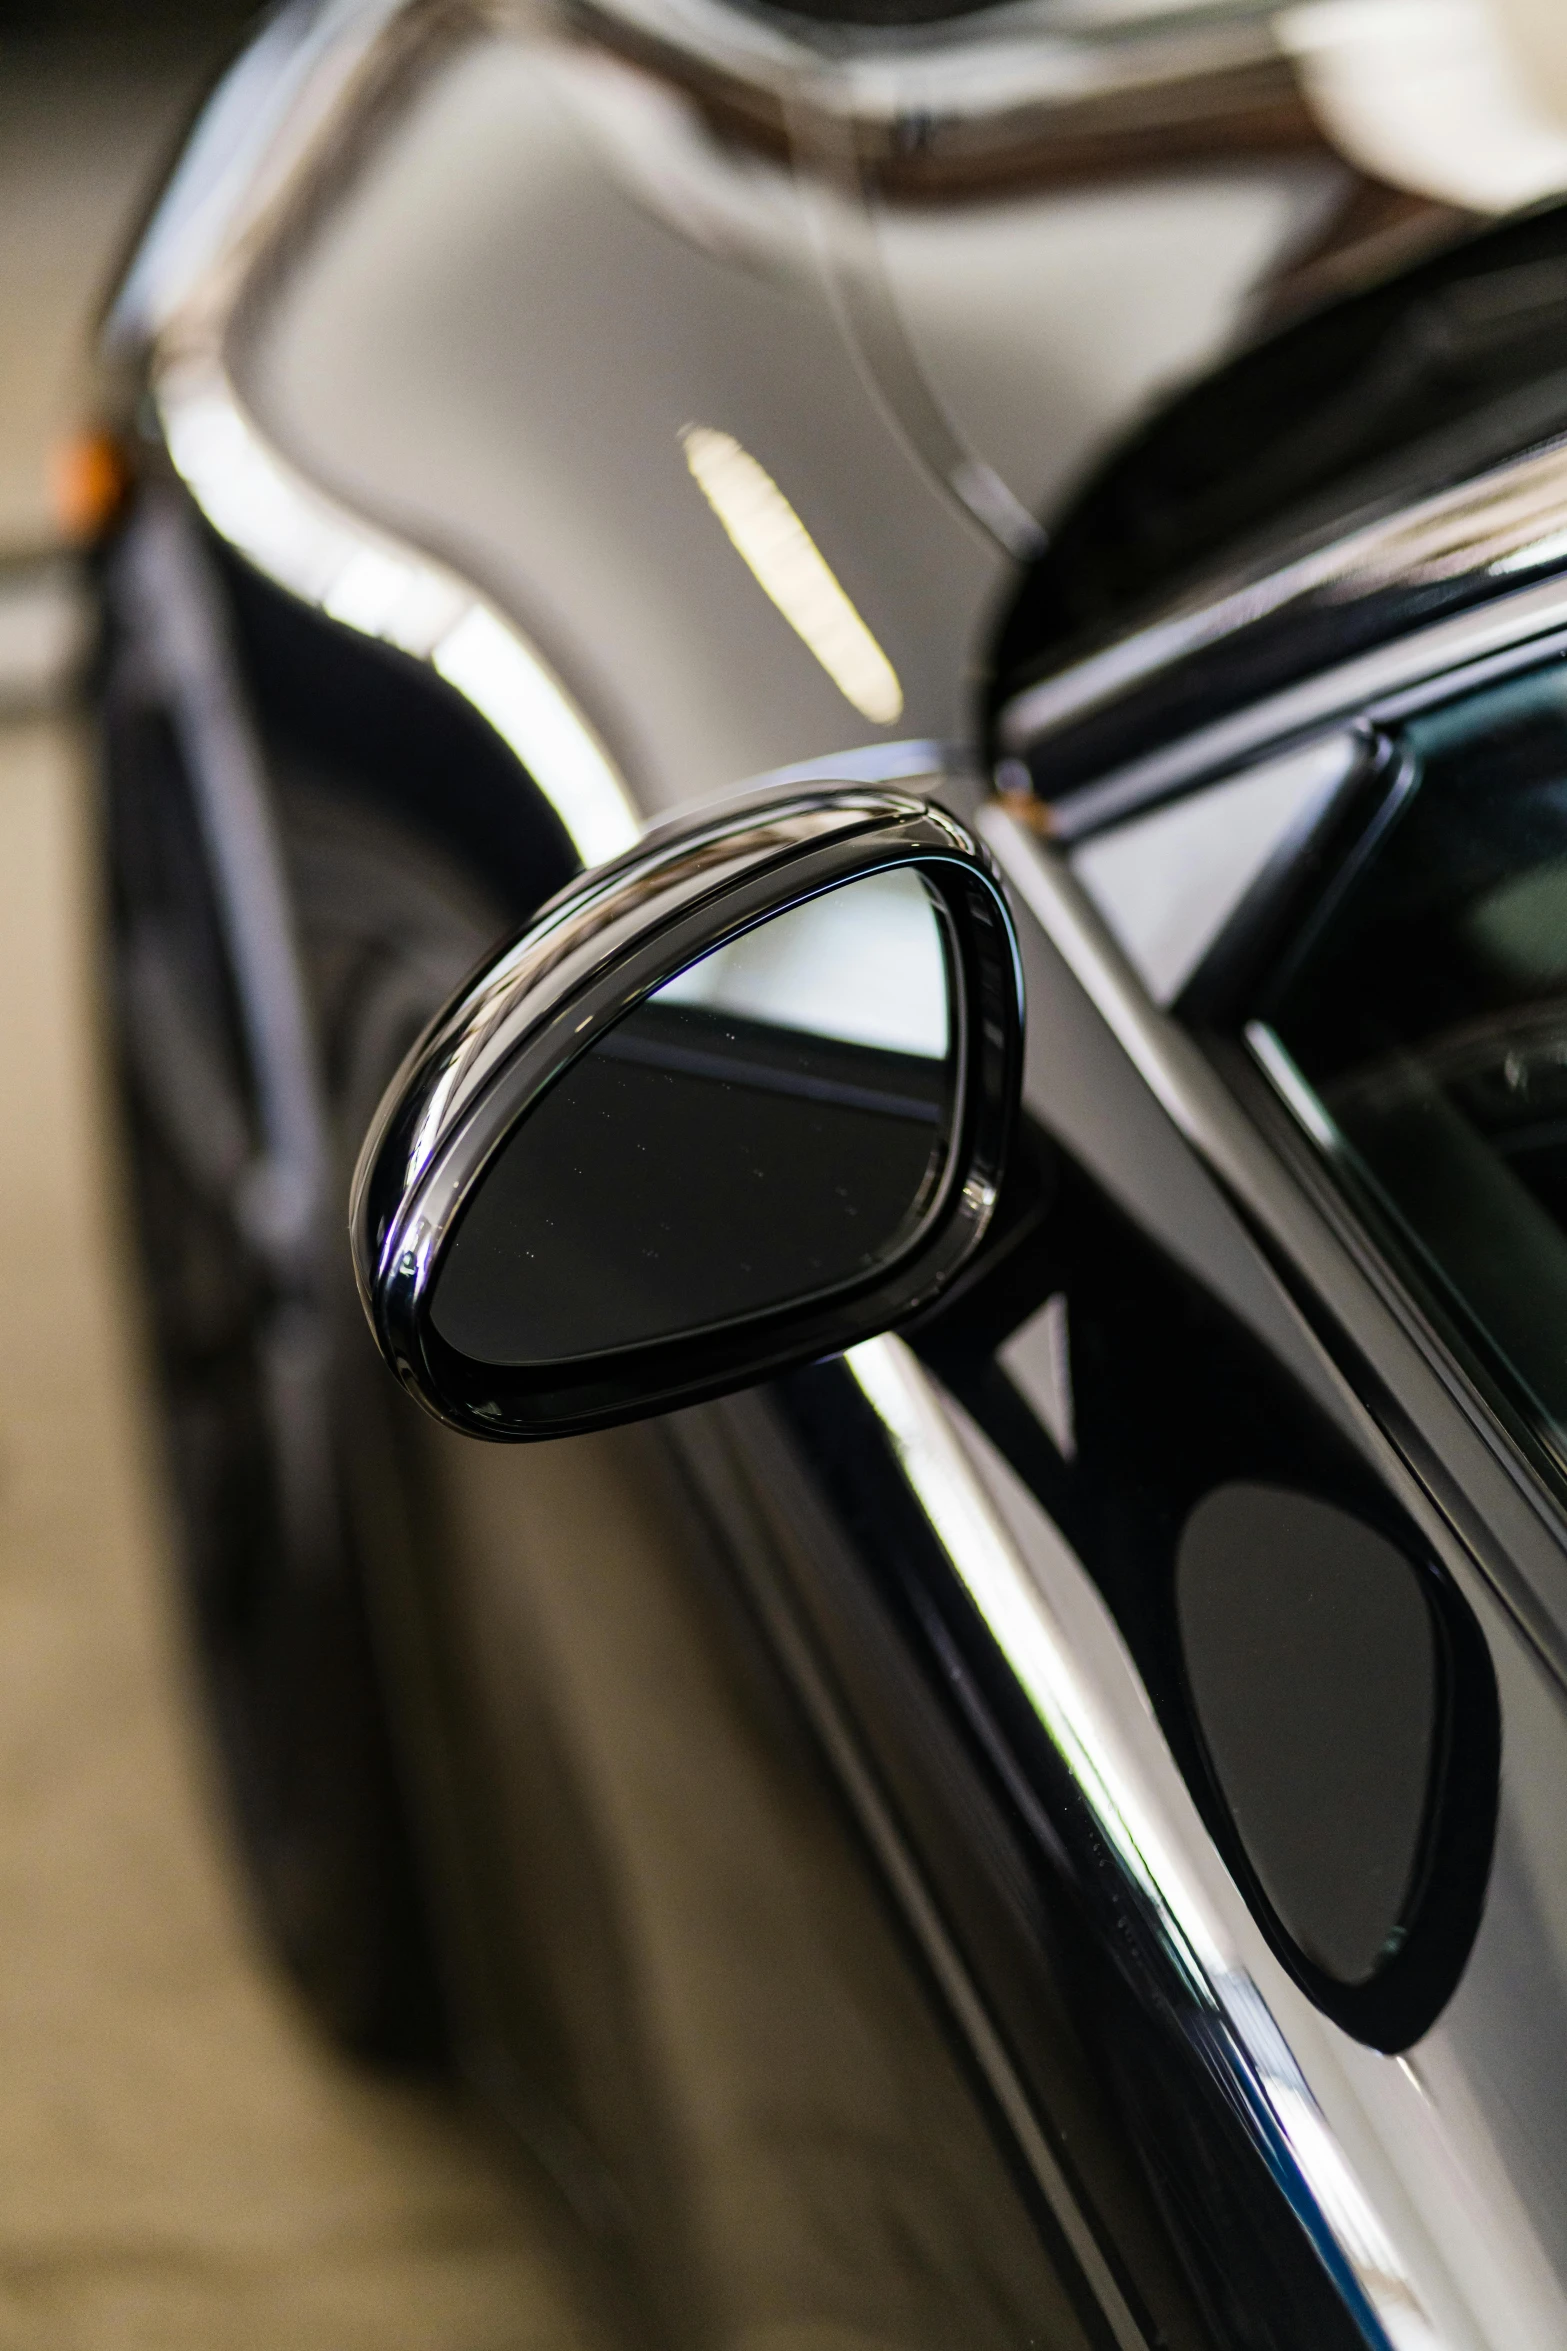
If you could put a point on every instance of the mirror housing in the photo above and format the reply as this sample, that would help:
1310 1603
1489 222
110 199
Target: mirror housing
595 955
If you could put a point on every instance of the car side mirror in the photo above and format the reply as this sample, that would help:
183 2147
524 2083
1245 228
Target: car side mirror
733 1102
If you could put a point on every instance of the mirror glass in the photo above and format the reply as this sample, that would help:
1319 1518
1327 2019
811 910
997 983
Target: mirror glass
771 1124
1310 1650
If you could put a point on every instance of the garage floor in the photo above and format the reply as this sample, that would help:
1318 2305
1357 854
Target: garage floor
180 2162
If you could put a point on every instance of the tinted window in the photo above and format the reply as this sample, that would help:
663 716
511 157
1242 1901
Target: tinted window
1311 1658
1427 1011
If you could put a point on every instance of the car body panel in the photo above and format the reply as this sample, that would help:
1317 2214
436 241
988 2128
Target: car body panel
951 2020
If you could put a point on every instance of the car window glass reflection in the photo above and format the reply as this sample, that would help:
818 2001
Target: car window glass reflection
1428 1015
1168 883
772 1123
856 964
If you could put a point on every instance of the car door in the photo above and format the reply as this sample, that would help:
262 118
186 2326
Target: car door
1281 1344
1008 1555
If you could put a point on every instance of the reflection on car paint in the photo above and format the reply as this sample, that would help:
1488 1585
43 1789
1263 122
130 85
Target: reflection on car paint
1293 2180
319 550
1004 1582
775 545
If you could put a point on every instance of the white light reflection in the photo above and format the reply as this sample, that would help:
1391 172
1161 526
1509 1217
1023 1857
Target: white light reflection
1292 1086
787 564
1326 2192
1333 2187
368 582
863 962
1000 1586
1430 95
1167 883
486 660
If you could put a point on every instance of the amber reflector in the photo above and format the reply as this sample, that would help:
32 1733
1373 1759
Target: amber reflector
87 480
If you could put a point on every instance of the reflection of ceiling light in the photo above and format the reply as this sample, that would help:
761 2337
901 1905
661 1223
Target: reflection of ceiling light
368 581
1430 95
786 561
862 963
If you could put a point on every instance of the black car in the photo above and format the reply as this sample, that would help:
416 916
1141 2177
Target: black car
948 970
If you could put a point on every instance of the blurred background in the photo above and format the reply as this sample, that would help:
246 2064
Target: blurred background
183 2161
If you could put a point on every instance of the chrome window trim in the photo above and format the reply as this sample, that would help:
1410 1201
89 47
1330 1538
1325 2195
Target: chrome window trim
1413 669
1500 521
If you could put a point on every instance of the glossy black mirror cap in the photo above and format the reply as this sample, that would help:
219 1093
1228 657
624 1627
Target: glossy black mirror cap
599 948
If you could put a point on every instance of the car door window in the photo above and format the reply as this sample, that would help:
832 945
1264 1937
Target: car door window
1418 1023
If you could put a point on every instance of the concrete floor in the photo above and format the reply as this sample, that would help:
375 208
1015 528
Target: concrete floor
181 2163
